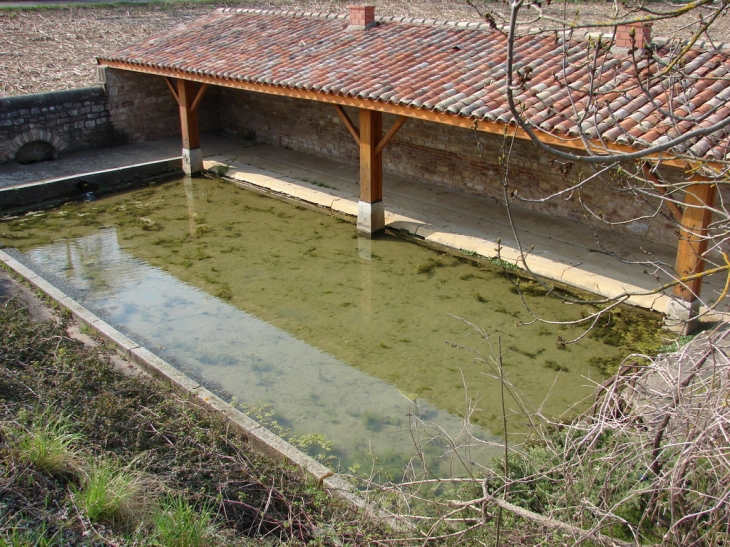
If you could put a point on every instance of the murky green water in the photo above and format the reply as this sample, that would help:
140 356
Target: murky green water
280 305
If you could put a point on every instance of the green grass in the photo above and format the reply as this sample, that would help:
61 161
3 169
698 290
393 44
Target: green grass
23 537
178 524
116 495
48 445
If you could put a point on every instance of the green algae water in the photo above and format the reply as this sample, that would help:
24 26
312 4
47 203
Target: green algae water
274 304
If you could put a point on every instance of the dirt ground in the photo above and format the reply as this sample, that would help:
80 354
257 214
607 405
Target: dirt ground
45 49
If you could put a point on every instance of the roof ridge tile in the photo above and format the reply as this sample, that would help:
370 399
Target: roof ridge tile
658 41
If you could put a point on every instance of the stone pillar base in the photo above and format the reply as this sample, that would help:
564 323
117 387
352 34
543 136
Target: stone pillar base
681 316
370 217
192 161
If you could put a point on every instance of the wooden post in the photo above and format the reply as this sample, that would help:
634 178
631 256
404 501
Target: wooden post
188 101
696 217
370 213
369 137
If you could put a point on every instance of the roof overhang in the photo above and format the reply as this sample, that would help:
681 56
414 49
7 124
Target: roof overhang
576 144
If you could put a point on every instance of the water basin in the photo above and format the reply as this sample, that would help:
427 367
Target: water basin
275 304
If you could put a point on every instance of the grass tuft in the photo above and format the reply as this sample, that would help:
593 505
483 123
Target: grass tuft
48 445
116 495
178 524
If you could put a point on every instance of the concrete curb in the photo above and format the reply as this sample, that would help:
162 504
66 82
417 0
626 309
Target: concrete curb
258 437
34 194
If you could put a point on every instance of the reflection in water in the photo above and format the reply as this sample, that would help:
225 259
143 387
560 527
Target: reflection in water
244 356
282 305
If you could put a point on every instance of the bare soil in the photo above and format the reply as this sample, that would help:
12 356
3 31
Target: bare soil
48 49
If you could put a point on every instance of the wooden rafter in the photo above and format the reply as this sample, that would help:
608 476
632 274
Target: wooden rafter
348 123
399 110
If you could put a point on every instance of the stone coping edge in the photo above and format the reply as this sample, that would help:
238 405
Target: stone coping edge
257 436
334 201
34 194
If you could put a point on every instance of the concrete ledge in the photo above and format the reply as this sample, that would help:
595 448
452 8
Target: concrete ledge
162 370
16 266
334 200
123 344
258 437
77 310
51 291
73 187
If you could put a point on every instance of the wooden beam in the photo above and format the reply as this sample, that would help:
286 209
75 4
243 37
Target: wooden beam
371 161
673 207
199 97
348 123
693 242
390 134
574 143
168 81
188 116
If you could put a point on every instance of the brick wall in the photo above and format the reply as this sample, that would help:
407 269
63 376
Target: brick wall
448 156
70 120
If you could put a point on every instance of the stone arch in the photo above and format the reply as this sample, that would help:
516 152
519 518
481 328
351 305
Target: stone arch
37 136
36 151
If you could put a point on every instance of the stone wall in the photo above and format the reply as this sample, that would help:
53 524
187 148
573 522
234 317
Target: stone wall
140 107
143 108
448 156
132 107
75 119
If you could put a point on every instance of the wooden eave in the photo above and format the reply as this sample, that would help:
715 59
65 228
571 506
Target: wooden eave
407 111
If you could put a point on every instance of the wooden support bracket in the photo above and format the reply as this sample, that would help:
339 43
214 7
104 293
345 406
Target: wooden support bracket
391 133
193 106
199 97
169 83
348 123
671 205
355 132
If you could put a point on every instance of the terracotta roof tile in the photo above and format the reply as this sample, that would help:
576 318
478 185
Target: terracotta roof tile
454 68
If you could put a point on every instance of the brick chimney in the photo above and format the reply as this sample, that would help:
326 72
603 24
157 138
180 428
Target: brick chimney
361 17
633 35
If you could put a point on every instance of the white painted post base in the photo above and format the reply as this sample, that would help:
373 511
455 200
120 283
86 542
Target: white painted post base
681 315
192 161
370 217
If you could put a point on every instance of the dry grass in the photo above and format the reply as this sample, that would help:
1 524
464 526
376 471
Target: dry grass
52 49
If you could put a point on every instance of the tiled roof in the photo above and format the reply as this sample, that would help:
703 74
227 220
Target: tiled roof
453 68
